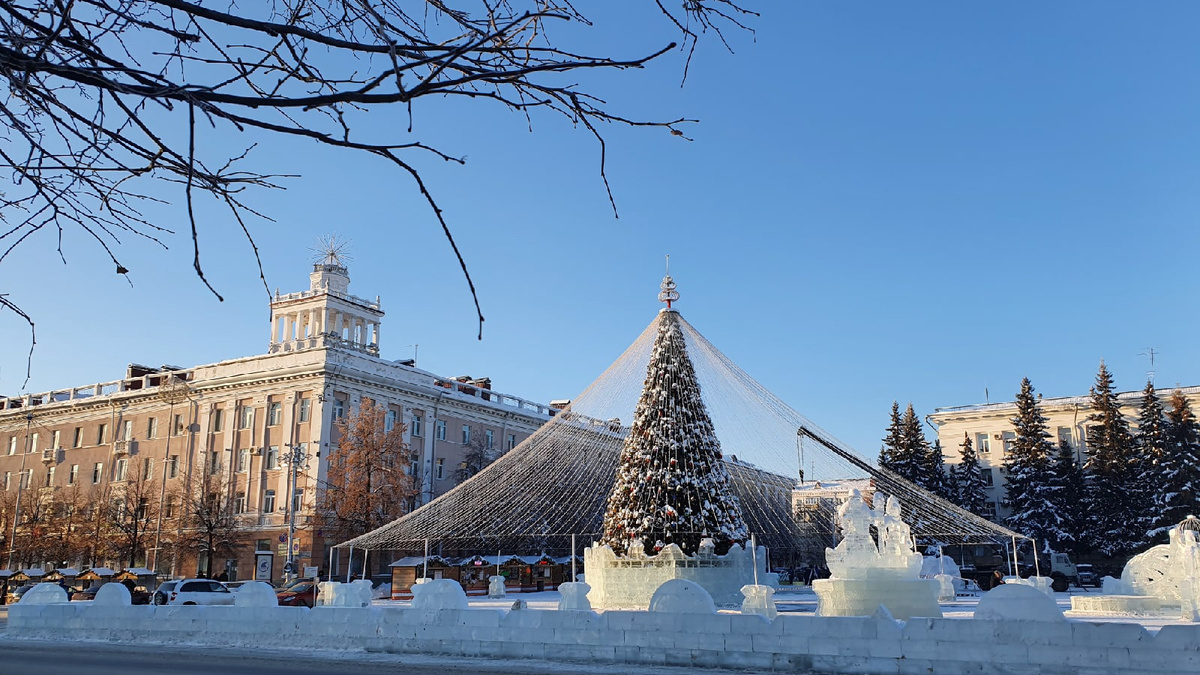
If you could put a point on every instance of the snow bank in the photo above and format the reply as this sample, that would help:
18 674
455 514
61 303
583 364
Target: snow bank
1018 602
861 645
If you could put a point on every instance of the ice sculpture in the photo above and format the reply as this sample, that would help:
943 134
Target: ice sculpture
759 601
574 596
629 581
865 575
1166 576
496 586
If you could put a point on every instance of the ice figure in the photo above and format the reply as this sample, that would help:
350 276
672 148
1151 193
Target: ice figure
1164 576
865 576
496 586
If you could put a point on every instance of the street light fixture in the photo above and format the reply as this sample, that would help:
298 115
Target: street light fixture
296 458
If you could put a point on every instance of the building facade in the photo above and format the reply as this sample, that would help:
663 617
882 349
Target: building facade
148 436
991 430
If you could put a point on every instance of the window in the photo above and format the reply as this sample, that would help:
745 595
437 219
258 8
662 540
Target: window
389 422
78 441
988 479
989 510
512 441
243 460
239 503
214 463
143 508
439 430
50 476
247 419
101 434
12 445
218 419
262 544
127 430
269 502
55 440
339 408
466 434
173 466
33 447
25 476
7 481
1009 438
489 439
305 409
982 444
1065 437
416 425
152 427
119 472
169 508
73 474
440 465
97 472
274 414
273 457
177 425
147 469
297 499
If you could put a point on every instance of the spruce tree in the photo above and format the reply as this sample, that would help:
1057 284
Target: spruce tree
912 454
671 486
892 441
1149 455
935 471
1179 492
1109 472
953 488
971 490
1068 497
1028 488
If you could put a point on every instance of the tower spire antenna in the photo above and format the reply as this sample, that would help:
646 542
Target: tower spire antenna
667 292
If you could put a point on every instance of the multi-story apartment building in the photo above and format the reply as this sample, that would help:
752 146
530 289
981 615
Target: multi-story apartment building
990 428
234 423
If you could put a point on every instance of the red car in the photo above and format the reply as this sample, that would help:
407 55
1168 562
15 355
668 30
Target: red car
299 594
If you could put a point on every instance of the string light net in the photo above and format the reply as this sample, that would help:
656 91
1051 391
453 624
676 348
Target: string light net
557 482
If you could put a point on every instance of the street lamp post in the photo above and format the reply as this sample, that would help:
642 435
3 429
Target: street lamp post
296 458
174 392
12 542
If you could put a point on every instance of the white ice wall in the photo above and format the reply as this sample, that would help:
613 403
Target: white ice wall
864 646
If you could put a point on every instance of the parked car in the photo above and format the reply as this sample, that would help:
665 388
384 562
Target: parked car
14 594
199 592
88 593
138 595
302 594
164 591
1087 575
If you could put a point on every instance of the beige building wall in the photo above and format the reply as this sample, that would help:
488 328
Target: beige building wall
235 419
991 430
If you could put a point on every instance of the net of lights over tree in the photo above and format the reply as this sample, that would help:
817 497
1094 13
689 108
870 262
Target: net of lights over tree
556 483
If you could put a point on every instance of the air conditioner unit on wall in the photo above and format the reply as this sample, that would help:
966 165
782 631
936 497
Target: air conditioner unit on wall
256 451
997 436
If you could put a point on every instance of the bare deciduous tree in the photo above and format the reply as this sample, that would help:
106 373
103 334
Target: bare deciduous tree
368 483
206 522
107 97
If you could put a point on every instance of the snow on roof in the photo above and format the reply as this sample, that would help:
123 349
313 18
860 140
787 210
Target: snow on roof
34 572
418 560
68 571
140 571
102 571
4 574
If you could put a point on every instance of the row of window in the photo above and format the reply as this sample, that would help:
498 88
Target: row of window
271 459
268 501
983 441
120 472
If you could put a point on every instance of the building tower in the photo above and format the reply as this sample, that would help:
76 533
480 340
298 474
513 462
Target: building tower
326 315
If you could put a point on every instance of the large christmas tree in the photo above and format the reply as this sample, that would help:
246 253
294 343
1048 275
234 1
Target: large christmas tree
671 486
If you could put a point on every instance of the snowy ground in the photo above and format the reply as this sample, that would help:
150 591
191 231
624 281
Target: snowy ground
801 600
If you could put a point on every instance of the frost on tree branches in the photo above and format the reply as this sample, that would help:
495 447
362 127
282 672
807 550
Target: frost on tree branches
671 486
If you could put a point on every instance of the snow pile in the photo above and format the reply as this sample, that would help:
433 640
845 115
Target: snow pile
256 594
439 594
113 594
46 593
1017 602
681 596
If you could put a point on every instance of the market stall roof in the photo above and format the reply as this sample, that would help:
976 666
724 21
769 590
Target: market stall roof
417 561
97 573
34 572
4 574
141 571
68 571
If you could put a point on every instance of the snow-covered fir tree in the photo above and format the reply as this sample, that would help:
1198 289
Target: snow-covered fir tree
1028 487
1109 473
935 471
1067 495
671 485
1149 455
953 489
892 441
971 490
911 454
1179 492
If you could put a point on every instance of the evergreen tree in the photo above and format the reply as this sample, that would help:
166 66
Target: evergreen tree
911 456
953 488
891 442
1068 497
1179 491
936 480
671 486
1150 453
971 490
1028 488
1109 472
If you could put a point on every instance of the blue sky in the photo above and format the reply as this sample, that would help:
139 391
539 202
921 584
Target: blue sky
883 201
